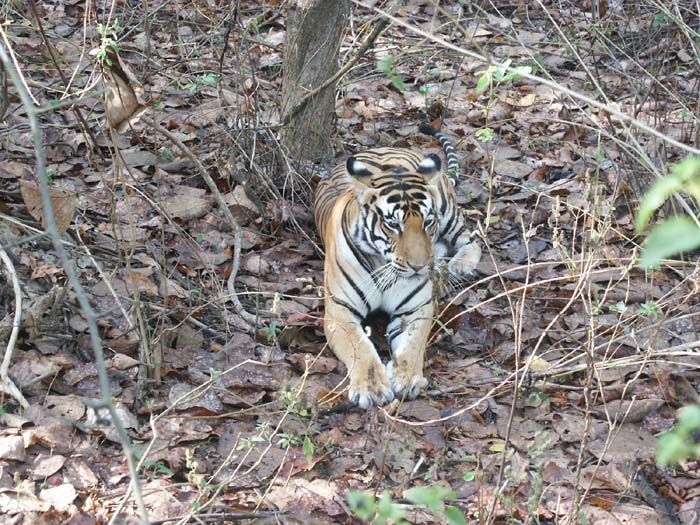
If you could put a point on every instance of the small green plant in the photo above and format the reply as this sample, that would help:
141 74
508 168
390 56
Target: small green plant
381 512
484 134
620 307
271 331
386 66
425 93
153 468
166 153
536 397
308 448
209 79
496 76
677 234
386 510
287 440
249 442
292 403
680 443
651 309
108 42
659 19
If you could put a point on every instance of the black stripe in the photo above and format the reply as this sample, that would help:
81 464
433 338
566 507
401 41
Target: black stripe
359 292
360 256
444 203
349 308
393 335
448 226
414 310
412 295
458 235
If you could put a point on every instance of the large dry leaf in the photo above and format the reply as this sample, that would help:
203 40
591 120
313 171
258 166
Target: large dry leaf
46 465
14 170
21 499
63 203
60 497
510 168
123 94
12 447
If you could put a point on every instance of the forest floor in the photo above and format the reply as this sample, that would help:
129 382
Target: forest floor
550 375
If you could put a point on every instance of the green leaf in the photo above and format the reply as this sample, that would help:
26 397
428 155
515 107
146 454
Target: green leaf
498 447
675 235
670 449
469 475
386 65
398 83
387 510
483 82
308 449
689 419
681 178
431 497
455 516
362 505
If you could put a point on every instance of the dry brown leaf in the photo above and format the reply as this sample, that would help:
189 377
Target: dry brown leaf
511 168
63 203
123 94
80 474
14 170
65 406
61 497
517 100
186 206
140 283
46 465
12 447
629 443
21 498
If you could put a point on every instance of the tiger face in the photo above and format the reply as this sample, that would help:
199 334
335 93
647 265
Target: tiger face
398 216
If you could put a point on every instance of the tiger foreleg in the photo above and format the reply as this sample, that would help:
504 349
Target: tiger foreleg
408 337
369 383
463 263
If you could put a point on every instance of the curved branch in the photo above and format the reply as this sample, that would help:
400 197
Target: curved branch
7 383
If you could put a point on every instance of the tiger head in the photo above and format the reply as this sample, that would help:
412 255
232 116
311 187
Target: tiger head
398 216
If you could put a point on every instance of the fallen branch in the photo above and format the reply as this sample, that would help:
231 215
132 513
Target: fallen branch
7 383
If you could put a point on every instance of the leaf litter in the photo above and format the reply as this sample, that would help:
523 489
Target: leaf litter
256 421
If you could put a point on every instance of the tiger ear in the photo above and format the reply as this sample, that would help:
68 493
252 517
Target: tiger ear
356 168
431 167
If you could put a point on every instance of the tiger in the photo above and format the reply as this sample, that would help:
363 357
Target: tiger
387 217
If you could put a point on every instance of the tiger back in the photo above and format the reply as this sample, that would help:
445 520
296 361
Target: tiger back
387 218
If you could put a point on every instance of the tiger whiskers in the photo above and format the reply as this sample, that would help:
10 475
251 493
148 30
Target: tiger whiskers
381 279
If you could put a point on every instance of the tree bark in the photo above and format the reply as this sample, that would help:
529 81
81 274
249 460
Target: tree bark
314 32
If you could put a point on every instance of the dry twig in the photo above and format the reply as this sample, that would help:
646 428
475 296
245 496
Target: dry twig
7 382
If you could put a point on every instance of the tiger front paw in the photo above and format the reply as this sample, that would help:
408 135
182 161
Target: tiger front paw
406 381
465 260
370 386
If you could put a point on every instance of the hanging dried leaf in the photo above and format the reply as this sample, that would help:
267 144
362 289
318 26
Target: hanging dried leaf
123 94
63 203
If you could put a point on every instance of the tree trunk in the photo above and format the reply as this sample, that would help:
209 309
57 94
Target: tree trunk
314 31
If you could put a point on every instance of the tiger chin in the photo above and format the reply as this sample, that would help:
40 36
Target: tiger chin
388 219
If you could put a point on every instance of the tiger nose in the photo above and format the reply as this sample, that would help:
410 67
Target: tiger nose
417 267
